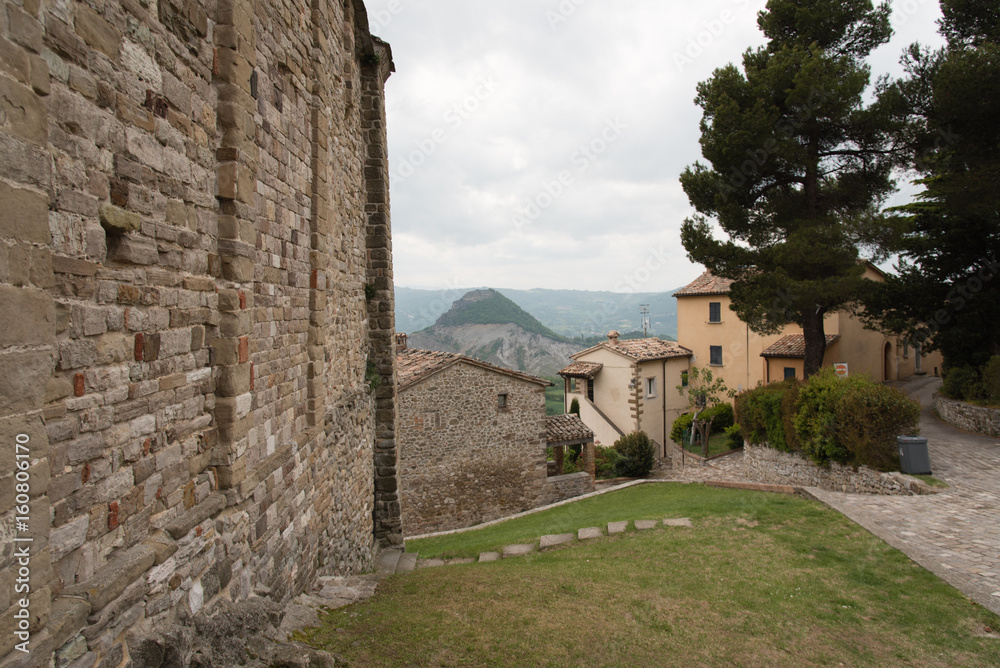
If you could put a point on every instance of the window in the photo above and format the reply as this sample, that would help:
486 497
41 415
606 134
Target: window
572 384
650 387
715 354
502 401
789 373
906 349
715 312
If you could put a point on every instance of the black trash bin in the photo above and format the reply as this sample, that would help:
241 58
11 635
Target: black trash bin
913 456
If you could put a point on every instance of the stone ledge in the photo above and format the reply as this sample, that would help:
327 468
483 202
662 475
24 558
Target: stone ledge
977 419
114 577
752 486
212 505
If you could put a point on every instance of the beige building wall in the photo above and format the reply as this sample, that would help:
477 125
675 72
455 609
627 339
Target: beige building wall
658 412
611 388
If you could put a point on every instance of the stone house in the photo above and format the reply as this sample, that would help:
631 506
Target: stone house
196 274
472 442
624 386
723 343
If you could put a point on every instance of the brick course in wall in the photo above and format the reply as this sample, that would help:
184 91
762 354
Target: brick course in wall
195 199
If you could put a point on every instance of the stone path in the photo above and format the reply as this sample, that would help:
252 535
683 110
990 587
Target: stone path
954 534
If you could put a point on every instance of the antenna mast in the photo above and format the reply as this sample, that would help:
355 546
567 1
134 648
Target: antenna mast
644 311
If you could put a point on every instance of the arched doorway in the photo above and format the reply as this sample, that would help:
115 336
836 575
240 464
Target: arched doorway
887 362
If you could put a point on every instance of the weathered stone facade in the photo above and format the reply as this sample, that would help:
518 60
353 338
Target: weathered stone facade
773 467
463 459
196 282
977 419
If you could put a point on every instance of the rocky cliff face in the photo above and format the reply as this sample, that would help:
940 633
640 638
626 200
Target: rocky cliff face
487 326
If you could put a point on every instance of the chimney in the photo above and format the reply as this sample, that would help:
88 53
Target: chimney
400 342
613 337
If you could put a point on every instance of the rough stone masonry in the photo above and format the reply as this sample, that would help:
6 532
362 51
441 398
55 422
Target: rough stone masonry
196 296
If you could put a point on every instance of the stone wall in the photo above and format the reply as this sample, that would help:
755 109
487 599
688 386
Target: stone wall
462 459
195 269
977 419
561 487
773 467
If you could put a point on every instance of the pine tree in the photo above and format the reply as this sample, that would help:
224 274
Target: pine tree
798 166
946 294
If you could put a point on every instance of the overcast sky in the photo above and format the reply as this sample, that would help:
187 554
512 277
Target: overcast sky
538 143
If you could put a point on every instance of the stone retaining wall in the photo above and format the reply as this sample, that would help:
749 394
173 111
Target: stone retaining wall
977 419
561 487
195 277
774 467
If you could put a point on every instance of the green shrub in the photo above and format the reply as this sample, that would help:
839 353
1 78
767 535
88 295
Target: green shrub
871 416
963 383
721 415
735 435
991 379
605 460
681 425
815 418
574 406
788 409
638 455
758 412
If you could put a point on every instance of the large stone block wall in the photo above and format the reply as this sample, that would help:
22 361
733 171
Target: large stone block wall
773 467
195 276
977 419
561 487
463 460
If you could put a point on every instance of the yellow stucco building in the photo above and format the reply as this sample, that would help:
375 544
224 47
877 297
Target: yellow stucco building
725 344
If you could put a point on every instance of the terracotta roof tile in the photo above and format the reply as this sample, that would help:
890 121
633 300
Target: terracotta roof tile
794 346
642 350
413 364
565 428
581 370
706 284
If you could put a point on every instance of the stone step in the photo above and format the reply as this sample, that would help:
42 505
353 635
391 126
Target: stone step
518 550
645 525
682 522
387 562
589 533
407 562
617 527
554 539
430 563
485 557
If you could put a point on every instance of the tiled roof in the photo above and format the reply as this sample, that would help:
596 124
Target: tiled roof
581 370
413 365
794 346
642 350
566 428
706 284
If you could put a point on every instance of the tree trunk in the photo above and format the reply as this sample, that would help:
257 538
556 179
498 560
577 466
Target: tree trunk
815 335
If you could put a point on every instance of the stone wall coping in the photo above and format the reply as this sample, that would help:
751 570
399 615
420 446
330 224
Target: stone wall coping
554 479
212 505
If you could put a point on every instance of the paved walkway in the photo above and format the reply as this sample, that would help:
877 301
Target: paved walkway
954 534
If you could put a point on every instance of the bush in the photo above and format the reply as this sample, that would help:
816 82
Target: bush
721 415
759 412
638 455
605 460
735 435
815 418
991 379
574 406
871 416
681 425
963 383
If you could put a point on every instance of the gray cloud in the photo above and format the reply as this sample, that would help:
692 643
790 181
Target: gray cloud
579 113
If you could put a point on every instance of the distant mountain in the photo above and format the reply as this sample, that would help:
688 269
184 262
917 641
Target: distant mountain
568 313
488 326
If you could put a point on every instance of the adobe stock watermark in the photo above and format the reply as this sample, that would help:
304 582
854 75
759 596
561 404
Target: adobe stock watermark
453 119
712 30
585 156
904 10
631 282
381 18
21 550
563 12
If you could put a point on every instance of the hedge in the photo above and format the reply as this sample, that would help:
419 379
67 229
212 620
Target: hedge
638 455
830 419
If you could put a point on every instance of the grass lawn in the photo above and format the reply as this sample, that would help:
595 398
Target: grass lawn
717 445
761 580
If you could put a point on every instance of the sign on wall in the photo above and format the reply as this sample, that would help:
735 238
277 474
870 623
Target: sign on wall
841 368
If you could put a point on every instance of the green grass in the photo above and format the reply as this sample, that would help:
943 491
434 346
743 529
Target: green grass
932 481
761 580
717 445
